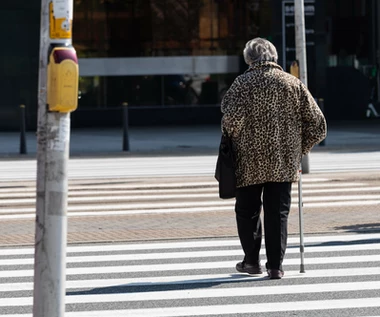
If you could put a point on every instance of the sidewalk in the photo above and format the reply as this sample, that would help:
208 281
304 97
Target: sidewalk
177 140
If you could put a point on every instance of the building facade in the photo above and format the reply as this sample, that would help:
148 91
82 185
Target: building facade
172 60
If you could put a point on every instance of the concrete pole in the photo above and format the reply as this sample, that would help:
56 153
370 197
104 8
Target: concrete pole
377 28
53 137
299 21
300 35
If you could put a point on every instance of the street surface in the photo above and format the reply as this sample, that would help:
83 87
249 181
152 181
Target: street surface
197 278
150 237
131 209
320 162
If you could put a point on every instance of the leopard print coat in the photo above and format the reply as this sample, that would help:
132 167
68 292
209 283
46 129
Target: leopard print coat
273 120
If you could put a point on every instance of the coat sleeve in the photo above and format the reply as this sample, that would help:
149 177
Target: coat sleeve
232 107
314 127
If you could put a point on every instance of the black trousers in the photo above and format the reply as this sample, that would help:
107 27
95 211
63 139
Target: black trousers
275 198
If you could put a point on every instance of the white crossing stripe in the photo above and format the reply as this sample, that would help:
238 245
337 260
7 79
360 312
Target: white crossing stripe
124 212
181 266
128 189
133 206
184 210
194 279
218 310
206 293
236 309
187 255
29 213
309 239
154 198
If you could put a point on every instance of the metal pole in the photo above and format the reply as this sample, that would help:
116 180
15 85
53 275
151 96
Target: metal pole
300 206
299 21
283 37
53 138
211 26
162 90
373 32
22 130
125 127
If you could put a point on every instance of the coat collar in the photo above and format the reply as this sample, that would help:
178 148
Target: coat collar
261 65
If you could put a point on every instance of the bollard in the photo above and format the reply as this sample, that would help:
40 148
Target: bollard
125 127
321 104
22 130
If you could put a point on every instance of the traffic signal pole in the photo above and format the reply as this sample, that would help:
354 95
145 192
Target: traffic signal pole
57 97
300 37
299 21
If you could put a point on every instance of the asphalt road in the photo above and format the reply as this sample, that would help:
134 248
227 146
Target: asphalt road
197 278
165 244
165 166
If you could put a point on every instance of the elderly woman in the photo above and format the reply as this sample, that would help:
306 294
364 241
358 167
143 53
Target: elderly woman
273 120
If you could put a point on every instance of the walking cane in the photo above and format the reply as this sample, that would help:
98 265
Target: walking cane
300 205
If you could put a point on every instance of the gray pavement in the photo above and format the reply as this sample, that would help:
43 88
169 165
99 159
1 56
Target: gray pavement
176 140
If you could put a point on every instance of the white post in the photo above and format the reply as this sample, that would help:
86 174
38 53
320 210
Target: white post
53 137
299 21
300 35
376 26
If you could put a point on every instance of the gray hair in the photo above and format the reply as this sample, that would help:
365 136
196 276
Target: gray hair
259 50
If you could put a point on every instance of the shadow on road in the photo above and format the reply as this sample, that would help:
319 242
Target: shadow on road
159 287
361 228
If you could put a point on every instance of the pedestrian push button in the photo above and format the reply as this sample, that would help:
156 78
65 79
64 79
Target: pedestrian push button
63 79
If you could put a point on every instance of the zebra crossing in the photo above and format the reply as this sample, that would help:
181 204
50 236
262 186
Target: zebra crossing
196 277
79 168
177 195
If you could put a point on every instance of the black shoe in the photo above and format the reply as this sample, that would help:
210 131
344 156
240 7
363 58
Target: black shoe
275 274
254 269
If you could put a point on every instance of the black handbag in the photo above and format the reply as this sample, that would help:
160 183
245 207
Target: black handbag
225 168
